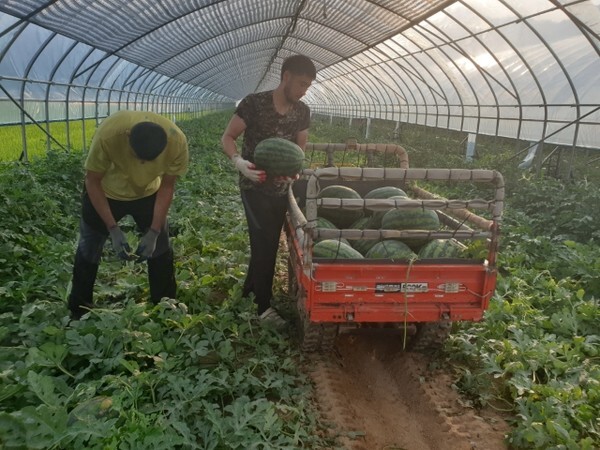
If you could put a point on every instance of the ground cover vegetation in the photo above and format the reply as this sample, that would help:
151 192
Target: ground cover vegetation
194 373
537 353
201 373
57 134
62 137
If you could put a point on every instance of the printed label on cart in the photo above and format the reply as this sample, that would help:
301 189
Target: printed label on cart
402 287
329 286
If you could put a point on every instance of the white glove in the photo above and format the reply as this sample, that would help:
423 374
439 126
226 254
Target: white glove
248 169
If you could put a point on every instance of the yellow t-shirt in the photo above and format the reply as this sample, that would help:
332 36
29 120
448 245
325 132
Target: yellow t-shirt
126 177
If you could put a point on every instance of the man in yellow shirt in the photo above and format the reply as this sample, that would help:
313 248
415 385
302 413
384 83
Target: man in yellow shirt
131 169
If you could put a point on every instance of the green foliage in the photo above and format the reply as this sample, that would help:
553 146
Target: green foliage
63 138
540 341
537 353
199 372
559 209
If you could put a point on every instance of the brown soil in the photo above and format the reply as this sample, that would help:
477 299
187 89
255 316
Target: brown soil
375 396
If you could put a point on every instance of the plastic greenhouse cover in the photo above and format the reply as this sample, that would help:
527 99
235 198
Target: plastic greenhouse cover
520 69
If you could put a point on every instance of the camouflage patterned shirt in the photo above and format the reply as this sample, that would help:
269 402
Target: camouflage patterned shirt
262 122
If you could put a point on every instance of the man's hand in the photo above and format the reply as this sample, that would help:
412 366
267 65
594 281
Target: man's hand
119 243
147 245
248 169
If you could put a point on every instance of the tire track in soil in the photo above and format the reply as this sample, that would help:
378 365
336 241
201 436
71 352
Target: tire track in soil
377 397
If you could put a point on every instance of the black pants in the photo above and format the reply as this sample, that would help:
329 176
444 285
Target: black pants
265 216
93 235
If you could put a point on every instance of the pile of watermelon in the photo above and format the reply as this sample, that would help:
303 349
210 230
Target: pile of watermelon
392 219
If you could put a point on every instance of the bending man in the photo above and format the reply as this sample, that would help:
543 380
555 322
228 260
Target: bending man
131 169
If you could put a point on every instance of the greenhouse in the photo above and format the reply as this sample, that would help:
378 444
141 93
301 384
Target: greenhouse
523 70
484 114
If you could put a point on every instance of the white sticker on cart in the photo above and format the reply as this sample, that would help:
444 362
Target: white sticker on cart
402 287
329 286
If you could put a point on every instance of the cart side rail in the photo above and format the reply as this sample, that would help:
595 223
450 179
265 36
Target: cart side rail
459 207
487 229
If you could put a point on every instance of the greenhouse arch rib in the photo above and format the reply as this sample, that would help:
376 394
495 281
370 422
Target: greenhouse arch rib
413 61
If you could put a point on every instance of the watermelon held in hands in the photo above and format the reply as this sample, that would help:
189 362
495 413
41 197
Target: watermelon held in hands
340 217
279 157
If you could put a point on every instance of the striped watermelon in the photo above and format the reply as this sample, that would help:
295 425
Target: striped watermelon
442 248
385 192
340 217
332 248
279 157
377 216
361 224
411 219
390 249
362 245
324 223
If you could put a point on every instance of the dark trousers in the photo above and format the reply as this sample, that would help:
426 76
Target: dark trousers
93 235
265 216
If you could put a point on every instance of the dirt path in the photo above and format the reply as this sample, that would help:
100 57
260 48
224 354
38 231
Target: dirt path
377 397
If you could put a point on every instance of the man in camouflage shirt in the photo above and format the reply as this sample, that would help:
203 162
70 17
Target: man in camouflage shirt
276 113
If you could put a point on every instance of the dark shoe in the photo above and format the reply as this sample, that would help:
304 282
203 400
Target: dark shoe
161 277
78 310
272 318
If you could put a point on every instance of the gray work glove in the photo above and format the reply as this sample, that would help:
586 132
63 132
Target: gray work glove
147 245
119 243
249 170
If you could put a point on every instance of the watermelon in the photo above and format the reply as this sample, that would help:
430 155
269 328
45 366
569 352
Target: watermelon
378 215
340 217
364 245
441 248
361 224
390 249
411 219
324 223
332 248
385 192
279 157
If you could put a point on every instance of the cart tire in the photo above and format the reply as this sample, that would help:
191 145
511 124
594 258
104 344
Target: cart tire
292 280
317 337
430 336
